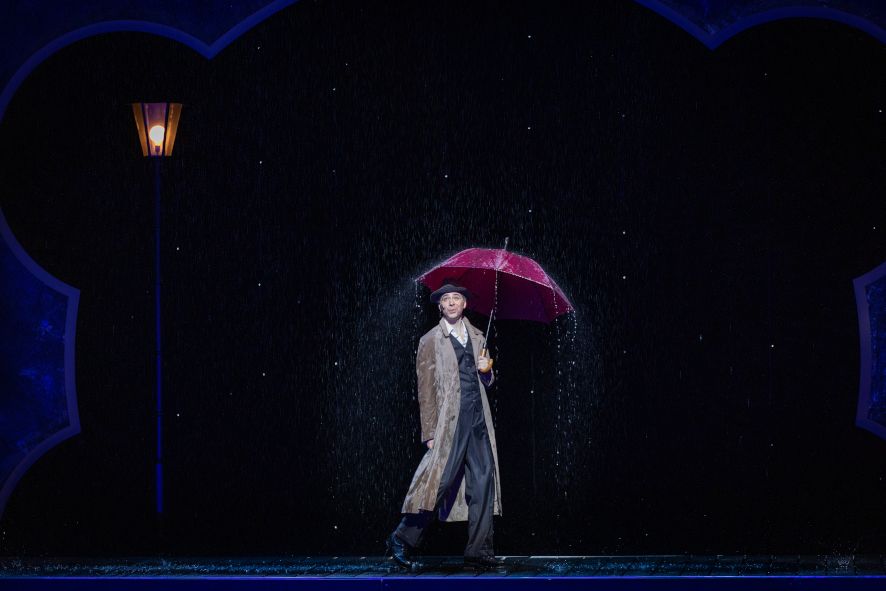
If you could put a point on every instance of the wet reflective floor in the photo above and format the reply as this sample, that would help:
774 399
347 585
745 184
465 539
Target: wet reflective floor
664 566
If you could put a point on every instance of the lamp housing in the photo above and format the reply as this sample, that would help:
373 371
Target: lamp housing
157 124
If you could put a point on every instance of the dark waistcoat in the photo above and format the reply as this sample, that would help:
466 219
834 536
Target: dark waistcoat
467 371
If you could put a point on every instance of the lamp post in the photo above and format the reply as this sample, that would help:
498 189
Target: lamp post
157 124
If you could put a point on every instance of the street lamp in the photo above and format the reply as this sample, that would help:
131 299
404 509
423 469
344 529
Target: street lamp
157 124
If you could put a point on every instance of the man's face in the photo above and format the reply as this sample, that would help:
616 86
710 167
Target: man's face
453 305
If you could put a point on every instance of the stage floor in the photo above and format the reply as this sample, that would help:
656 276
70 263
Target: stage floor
445 572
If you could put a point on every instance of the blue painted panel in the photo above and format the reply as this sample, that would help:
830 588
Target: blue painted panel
38 407
870 298
876 298
32 370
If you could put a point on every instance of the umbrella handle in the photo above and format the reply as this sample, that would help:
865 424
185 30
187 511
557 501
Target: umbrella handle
484 352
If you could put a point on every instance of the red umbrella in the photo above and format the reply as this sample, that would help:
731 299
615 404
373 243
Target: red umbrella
508 285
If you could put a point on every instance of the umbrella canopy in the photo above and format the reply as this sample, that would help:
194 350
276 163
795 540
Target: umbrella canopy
514 285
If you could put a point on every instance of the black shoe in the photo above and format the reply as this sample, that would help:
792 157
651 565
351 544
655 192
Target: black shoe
483 562
401 552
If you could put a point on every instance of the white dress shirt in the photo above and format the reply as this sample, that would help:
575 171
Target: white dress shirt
460 330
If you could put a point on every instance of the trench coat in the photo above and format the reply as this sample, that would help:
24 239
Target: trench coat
439 398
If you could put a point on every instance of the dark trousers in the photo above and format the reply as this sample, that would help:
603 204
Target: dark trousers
471 455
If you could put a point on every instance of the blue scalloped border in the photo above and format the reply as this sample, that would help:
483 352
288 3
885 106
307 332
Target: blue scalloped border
870 299
73 295
714 40
68 338
209 51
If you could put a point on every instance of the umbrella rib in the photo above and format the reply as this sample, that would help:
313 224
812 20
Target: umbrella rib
445 266
552 285
490 269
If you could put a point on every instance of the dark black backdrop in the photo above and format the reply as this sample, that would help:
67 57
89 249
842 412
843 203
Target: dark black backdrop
706 211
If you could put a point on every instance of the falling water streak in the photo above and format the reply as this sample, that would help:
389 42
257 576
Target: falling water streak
567 410
371 406
416 312
494 354
559 473
486 343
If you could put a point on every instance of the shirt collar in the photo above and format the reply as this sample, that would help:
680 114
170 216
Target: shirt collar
469 329
448 328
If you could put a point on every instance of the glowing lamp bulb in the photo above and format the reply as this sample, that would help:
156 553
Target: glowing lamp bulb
156 134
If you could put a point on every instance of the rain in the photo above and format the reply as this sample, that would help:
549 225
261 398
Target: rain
683 202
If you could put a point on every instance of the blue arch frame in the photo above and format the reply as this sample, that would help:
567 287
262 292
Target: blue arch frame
71 293
870 297
715 39
711 40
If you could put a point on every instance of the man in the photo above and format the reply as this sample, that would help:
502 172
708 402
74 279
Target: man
458 476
